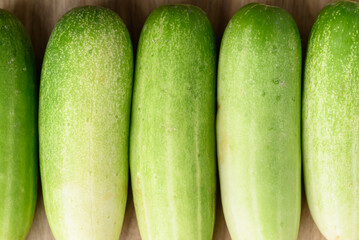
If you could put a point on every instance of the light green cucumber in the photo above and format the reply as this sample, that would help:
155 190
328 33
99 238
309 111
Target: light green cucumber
172 150
85 98
258 124
331 121
18 129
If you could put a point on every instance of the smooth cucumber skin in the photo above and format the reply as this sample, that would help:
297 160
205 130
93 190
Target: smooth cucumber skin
18 129
85 98
331 121
172 150
258 124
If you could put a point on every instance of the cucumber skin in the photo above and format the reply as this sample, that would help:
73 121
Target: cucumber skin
18 131
258 124
331 121
85 98
172 149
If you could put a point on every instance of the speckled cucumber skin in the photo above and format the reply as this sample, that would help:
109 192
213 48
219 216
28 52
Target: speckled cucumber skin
258 124
331 121
85 98
18 129
172 152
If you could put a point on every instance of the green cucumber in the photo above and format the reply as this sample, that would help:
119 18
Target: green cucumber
85 102
331 121
172 149
18 129
258 124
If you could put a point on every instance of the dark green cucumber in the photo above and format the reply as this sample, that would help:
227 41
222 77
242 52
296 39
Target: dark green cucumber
85 98
18 129
331 121
172 152
258 124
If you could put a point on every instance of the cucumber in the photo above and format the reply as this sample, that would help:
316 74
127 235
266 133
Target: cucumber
172 149
331 121
258 124
85 103
18 129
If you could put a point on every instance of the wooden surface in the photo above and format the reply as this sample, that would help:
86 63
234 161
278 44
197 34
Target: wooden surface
40 16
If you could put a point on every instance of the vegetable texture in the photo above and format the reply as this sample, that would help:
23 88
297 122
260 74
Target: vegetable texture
18 129
172 153
331 121
85 98
258 124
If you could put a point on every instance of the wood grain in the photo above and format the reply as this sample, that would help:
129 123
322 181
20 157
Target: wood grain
40 16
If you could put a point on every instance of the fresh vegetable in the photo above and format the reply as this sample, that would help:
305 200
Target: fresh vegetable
331 121
85 98
18 129
172 152
258 124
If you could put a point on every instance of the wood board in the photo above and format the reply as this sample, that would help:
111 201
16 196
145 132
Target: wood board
40 16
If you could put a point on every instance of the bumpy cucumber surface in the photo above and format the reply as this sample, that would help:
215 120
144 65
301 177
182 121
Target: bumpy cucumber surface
172 152
18 129
331 121
258 124
85 98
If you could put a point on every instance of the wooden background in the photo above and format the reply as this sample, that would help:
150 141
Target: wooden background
40 16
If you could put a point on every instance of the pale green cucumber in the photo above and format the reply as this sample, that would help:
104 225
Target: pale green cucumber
331 121
172 150
258 124
18 129
85 98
